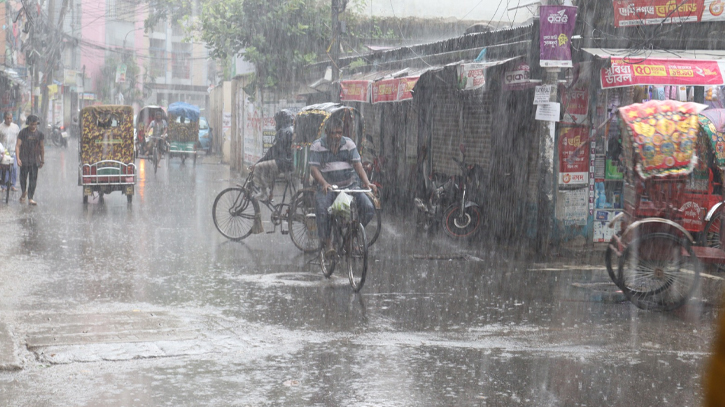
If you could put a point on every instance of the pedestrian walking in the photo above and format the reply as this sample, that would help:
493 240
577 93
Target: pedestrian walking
30 152
9 137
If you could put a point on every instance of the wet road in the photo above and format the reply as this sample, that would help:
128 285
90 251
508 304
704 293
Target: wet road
115 305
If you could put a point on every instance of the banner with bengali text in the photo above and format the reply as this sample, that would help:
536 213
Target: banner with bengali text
653 12
355 91
653 71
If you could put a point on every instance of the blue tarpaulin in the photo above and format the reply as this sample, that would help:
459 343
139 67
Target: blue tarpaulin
183 109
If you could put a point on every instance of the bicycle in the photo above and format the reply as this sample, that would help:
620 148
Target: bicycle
348 239
236 213
156 151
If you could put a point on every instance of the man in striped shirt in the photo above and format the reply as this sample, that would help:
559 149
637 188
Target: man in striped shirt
334 160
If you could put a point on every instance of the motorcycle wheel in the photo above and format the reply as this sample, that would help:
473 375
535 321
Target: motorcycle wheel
462 225
56 139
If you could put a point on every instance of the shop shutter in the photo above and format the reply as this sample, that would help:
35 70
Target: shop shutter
445 136
477 116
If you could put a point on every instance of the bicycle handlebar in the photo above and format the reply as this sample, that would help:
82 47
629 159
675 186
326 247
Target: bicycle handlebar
334 188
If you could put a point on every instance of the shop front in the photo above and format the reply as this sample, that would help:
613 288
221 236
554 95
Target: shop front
625 78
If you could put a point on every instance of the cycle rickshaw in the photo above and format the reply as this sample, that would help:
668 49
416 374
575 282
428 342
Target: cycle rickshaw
183 133
673 195
106 151
310 125
144 117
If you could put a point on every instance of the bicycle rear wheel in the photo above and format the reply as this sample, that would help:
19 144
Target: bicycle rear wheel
234 212
302 223
356 256
658 271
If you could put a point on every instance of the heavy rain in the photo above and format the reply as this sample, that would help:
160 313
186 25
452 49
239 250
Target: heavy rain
362 203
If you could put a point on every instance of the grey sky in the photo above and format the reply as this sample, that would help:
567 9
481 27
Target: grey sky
481 10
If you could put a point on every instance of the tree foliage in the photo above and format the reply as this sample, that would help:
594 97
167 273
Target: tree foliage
107 86
278 36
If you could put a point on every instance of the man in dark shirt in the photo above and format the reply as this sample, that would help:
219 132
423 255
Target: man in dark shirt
279 157
334 160
30 152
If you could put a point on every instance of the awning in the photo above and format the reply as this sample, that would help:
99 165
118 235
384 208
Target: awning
661 67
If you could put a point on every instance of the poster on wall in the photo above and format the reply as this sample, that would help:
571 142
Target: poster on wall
518 78
471 76
405 87
385 90
557 27
355 91
573 156
575 103
573 207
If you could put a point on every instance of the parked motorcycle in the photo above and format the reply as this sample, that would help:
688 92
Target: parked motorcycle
448 202
58 136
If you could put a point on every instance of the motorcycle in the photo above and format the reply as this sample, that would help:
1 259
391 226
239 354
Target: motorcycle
58 136
448 202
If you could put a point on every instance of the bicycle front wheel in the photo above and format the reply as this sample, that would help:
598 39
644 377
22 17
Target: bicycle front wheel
302 223
356 256
234 212
156 159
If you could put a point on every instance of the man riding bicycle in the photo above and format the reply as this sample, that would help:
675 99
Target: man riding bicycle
334 160
160 127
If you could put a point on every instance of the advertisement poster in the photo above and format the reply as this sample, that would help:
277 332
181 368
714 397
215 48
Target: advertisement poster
557 26
355 91
548 112
654 71
518 79
405 87
471 76
575 102
602 232
385 90
542 94
573 156
654 12
573 208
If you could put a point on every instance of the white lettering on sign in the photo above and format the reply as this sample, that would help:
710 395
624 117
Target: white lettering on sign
558 18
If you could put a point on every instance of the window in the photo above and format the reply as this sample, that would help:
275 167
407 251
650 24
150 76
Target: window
181 60
157 52
122 10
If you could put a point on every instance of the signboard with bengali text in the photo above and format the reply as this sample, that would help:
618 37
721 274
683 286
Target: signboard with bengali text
654 12
573 155
653 71
385 90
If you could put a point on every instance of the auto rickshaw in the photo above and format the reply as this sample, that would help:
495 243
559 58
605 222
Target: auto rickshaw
310 124
183 135
144 117
106 151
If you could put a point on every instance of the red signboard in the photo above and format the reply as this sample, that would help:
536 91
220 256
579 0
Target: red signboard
405 87
573 155
355 91
575 103
652 71
385 90
646 12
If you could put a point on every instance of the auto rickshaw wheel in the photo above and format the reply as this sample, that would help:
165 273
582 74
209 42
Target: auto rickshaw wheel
85 199
183 158
195 159
129 198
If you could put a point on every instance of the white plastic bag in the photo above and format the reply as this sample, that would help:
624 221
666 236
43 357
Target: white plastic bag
341 205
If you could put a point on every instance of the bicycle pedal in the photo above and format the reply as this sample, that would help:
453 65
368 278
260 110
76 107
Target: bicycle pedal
269 233
284 232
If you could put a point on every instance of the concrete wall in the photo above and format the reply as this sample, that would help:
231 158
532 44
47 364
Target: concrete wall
93 21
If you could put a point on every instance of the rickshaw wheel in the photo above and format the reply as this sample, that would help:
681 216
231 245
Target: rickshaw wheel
302 224
658 271
85 199
194 159
129 198
710 237
608 256
183 158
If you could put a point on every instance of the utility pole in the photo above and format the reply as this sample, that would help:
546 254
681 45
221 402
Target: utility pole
53 55
338 6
